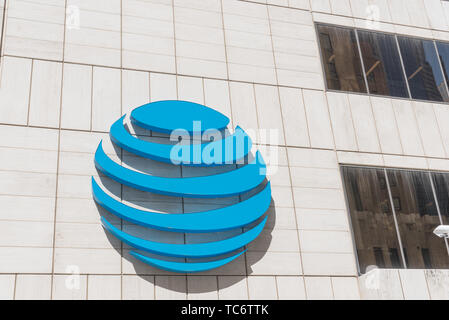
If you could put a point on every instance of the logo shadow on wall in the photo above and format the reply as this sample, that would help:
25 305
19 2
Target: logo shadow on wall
168 240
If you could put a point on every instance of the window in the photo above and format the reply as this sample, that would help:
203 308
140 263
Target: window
422 68
417 218
341 59
384 64
399 209
372 220
443 52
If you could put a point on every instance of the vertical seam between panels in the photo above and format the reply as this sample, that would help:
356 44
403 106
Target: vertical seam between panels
29 92
224 40
286 153
58 158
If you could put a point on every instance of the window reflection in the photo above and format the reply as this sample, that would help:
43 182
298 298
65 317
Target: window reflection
416 210
341 59
372 218
382 64
422 69
441 183
417 217
443 51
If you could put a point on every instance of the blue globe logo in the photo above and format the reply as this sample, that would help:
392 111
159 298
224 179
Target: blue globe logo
199 137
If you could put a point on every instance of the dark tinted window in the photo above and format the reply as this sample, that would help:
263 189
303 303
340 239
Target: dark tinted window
443 50
372 218
441 183
341 59
422 69
417 218
419 69
385 237
382 64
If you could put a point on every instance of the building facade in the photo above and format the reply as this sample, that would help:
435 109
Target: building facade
346 99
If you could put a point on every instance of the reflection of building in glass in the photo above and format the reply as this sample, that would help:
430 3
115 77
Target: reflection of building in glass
372 220
417 218
442 87
422 68
341 59
386 59
433 90
382 64
375 70
375 229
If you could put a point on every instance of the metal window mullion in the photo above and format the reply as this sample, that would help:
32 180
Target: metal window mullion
403 67
438 207
398 234
441 68
361 60
349 215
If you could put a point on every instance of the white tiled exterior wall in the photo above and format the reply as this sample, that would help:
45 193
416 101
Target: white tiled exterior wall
66 78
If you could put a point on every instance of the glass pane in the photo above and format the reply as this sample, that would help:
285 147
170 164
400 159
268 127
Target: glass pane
441 183
341 59
417 217
382 64
372 219
423 69
443 50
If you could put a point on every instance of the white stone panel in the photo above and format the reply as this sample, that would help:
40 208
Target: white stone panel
321 6
102 287
135 89
338 264
244 108
162 87
232 287
202 288
96 261
170 287
319 288
106 98
138 287
408 128
262 288
414 284
386 125
364 124
7 284
69 287
438 284
318 119
274 263
45 99
191 89
291 288
435 14
15 90
294 117
345 288
76 97
33 287
269 115
381 284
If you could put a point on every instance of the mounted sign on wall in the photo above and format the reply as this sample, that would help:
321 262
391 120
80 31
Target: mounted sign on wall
202 139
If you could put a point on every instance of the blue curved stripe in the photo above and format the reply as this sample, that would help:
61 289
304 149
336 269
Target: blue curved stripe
215 186
185 267
227 218
196 250
168 115
232 148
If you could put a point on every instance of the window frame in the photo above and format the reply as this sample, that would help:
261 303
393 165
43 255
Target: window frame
402 253
356 39
395 35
